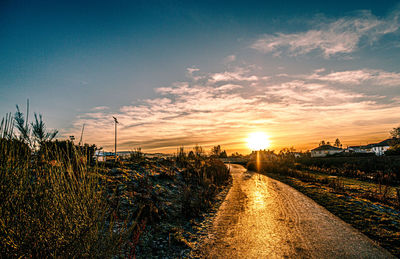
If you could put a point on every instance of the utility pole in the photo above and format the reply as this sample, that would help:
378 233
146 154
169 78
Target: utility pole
116 122
80 140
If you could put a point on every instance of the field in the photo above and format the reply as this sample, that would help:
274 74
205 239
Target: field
370 205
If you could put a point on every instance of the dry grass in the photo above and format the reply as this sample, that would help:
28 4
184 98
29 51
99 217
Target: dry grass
53 208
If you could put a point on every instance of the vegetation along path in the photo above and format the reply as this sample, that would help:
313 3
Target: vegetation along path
264 218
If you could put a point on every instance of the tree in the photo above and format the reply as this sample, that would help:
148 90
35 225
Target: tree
191 155
337 143
395 132
223 154
216 151
198 151
322 143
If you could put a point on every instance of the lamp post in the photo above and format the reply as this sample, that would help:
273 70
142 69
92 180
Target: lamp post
115 122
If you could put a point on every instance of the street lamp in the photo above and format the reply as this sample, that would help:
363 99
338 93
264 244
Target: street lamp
116 122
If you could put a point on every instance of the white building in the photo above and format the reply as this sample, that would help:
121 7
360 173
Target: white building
378 149
325 150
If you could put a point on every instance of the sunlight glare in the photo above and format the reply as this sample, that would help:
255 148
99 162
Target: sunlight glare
258 141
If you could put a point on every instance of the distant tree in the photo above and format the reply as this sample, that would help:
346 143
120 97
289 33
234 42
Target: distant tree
216 151
191 155
181 156
236 154
287 151
337 143
223 154
328 143
198 151
395 133
322 143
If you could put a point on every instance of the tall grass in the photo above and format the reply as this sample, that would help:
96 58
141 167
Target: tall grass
53 208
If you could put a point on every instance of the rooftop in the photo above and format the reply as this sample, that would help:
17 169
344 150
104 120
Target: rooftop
326 147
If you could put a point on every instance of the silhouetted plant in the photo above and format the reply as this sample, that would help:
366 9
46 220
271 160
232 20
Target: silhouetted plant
22 126
7 127
39 131
136 154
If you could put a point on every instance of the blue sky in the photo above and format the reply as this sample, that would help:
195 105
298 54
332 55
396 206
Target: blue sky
191 72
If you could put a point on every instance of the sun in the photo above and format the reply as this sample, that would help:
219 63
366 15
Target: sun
258 141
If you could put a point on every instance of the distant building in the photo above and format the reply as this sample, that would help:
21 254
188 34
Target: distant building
102 156
359 149
378 149
325 150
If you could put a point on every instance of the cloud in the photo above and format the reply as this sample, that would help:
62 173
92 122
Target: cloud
222 108
342 36
191 70
239 74
357 77
229 59
99 108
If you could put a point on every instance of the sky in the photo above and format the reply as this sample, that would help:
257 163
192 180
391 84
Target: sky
186 73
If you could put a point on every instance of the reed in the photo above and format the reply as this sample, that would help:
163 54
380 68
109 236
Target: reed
53 206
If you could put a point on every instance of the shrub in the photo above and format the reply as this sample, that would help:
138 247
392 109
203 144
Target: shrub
202 179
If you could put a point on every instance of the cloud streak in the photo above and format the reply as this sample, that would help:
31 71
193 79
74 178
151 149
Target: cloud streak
357 77
342 36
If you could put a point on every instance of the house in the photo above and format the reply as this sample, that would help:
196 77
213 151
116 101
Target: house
359 149
325 150
378 149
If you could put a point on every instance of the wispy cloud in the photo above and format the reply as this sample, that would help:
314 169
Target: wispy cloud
342 36
100 108
238 74
208 111
357 77
230 58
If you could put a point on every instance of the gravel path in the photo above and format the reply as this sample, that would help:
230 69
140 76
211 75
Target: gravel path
264 218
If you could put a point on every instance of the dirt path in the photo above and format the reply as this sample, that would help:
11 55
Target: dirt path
264 218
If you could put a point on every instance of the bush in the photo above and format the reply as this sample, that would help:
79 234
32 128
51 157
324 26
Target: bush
202 180
393 151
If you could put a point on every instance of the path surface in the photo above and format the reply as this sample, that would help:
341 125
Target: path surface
264 218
